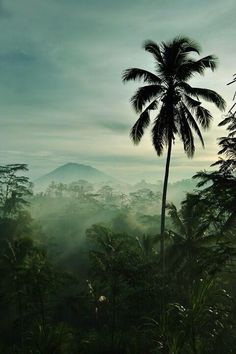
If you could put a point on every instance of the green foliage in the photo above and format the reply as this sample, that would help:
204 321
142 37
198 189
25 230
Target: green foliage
54 340
14 189
103 294
228 144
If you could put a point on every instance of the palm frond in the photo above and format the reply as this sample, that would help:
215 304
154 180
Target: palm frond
203 116
160 131
188 45
210 96
185 134
140 74
144 95
208 62
191 67
206 94
137 130
193 104
154 49
173 213
193 123
228 119
205 177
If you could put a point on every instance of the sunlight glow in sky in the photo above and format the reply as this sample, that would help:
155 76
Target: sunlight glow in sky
61 95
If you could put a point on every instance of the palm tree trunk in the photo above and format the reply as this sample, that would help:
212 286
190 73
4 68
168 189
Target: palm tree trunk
163 207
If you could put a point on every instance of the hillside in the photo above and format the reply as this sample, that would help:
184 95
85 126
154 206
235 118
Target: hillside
72 172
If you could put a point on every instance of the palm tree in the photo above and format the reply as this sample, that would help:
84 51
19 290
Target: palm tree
191 235
177 104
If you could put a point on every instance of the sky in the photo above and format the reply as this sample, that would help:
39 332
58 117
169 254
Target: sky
61 94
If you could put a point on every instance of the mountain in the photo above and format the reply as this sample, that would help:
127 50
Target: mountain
72 172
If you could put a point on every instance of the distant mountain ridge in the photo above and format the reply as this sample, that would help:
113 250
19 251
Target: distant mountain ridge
71 172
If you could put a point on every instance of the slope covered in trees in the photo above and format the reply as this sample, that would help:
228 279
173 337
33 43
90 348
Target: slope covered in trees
103 294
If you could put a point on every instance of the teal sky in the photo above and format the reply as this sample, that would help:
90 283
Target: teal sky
61 95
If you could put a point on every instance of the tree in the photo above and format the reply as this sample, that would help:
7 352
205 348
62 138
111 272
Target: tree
183 326
228 143
177 104
219 195
12 267
106 260
189 235
199 244
14 189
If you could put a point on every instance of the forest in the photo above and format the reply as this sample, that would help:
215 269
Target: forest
94 270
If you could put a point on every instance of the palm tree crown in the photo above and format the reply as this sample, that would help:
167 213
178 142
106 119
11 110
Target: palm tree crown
178 105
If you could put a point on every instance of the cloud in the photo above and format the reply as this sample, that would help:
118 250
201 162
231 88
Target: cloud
4 13
61 92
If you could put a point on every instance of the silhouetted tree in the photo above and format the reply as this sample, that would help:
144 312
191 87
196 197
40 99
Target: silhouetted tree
228 143
177 104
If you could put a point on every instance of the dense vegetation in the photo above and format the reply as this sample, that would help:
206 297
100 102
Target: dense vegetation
62 292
